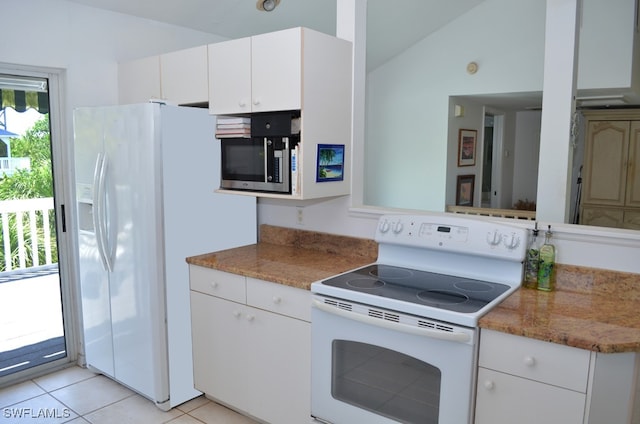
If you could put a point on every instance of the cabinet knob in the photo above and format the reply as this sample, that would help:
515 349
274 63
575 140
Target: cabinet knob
250 317
214 284
256 102
236 314
242 103
277 299
489 385
529 361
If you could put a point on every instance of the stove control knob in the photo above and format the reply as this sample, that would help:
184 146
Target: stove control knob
398 227
494 238
512 241
384 226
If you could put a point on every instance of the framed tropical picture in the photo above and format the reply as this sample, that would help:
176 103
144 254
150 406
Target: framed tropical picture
330 163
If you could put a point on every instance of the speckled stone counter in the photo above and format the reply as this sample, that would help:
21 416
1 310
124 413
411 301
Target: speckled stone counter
292 257
591 309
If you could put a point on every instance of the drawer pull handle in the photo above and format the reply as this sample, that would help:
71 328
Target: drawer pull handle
529 361
489 385
277 299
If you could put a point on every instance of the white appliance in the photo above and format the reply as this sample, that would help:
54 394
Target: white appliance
145 181
396 341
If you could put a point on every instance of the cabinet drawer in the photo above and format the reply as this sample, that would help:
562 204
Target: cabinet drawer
546 362
280 299
217 283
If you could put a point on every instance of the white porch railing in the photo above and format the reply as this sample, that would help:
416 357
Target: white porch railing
10 165
21 209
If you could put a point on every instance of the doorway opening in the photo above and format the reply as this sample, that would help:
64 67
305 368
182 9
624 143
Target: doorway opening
32 324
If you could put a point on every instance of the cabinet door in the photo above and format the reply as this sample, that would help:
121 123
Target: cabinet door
503 398
279 368
219 348
602 217
230 77
184 76
139 80
276 63
633 171
606 162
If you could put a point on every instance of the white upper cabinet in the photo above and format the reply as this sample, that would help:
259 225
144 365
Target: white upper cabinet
139 80
184 77
281 70
179 77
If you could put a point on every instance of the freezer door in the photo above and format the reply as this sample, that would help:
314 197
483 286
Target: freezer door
94 279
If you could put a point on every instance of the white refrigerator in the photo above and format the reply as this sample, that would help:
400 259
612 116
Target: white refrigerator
146 176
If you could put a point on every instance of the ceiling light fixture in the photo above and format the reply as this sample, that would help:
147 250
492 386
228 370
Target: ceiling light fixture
267 5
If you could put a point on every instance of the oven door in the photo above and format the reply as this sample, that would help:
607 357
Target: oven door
371 365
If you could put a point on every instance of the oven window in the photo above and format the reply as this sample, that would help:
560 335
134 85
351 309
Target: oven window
385 382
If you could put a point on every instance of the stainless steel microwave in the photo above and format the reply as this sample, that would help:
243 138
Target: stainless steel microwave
256 164
261 162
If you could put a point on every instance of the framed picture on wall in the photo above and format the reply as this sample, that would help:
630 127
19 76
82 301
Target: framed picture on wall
330 163
464 190
467 147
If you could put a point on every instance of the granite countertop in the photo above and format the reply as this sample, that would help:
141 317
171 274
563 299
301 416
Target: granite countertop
593 309
292 257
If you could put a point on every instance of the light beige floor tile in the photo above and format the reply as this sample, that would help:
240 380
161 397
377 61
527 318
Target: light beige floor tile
43 409
63 378
19 392
193 404
132 410
91 394
213 413
185 419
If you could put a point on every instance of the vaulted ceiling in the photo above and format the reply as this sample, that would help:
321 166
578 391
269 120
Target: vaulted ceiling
392 27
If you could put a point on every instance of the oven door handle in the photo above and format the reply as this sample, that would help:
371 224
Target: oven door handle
395 326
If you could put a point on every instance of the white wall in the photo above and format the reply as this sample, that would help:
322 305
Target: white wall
577 245
86 43
527 148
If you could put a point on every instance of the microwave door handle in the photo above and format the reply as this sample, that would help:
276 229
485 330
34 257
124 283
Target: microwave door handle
395 326
266 160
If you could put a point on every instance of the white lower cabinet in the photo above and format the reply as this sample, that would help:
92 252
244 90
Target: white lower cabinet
253 355
523 380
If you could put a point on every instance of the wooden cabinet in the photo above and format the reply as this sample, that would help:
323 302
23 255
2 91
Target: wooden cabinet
252 345
530 381
179 77
294 69
611 191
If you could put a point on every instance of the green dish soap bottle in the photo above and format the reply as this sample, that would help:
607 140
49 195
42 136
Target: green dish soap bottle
546 267
532 260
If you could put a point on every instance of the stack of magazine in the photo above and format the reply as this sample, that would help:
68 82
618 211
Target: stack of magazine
233 126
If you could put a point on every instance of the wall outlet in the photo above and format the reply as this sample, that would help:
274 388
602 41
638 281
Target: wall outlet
300 215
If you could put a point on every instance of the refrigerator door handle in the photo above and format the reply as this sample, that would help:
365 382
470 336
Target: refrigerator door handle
99 218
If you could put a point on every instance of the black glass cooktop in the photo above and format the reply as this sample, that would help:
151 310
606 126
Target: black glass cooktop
453 293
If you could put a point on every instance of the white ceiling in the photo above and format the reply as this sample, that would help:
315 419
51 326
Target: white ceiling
393 26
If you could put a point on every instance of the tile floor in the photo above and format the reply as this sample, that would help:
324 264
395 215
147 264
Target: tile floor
76 395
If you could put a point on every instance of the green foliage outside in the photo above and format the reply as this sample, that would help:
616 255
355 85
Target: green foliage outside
29 184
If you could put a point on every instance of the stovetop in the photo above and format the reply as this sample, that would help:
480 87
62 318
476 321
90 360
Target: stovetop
445 268
458 294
